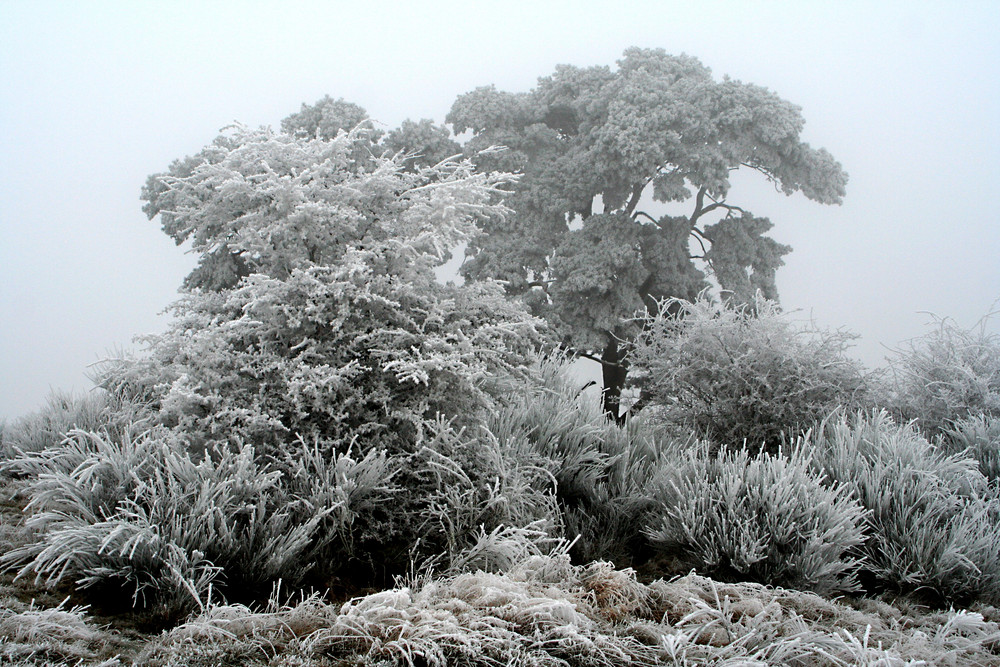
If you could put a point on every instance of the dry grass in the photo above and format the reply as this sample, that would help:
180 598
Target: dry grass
545 611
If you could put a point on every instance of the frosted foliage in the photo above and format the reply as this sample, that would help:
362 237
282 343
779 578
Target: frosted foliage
948 374
766 519
422 143
335 327
260 202
740 374
545 611
601 472
334 353
140 515
932 516
979 437
325 119
658 126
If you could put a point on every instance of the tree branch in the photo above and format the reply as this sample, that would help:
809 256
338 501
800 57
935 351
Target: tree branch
647 216
700 237
719 204
699 202
588 355
637 190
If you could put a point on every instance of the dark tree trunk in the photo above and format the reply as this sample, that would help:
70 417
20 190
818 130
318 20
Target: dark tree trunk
614 373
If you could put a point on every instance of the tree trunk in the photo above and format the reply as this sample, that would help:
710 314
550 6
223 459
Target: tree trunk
614 373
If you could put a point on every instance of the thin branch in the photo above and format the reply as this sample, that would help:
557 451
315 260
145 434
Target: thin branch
588 355
647 216
700 237
719 204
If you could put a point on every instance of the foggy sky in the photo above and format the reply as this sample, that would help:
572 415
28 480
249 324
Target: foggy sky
96 96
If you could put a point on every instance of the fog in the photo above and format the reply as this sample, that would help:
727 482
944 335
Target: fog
96 96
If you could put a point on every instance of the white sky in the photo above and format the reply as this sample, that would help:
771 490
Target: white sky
95 96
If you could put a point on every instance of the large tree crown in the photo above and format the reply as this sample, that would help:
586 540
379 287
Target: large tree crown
256 201
599 140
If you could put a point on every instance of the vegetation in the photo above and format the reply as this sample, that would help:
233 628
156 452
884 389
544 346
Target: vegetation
585 247
324 415
742 374
947 375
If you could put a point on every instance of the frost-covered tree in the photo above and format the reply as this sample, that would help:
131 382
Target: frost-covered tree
314 311
595 145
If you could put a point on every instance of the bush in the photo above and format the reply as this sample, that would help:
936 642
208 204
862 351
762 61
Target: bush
48 426
315 312
738 374
948 374
933 521
764 518
978 437
140 516
458 486
601 471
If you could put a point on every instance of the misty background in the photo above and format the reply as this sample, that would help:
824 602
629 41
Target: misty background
96 96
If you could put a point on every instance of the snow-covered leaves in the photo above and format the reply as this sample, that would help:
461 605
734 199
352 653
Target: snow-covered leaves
594 141
260 202
326 320
735 373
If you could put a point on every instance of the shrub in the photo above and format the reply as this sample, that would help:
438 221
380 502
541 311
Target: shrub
741 373
601 471
946 375
458 486
48 426
139 515
315 312
933 522
979 437
762 518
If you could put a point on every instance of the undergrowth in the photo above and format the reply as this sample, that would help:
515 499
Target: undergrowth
933 522
546 611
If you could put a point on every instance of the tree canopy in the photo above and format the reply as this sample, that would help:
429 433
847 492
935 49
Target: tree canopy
596 146
314 310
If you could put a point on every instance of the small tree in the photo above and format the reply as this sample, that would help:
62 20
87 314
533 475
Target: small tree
314 310
594 145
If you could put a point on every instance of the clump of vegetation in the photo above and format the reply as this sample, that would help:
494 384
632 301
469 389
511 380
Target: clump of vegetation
54 635
978 437
741 373
139 518
600 472
763 518
63 411
949 374
545 611
933 522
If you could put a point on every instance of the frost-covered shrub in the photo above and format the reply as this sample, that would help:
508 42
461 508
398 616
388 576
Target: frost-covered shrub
979 437
314 312
457 486
933 522
601 471
763 518
735 373
140 516
948 374
64 411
